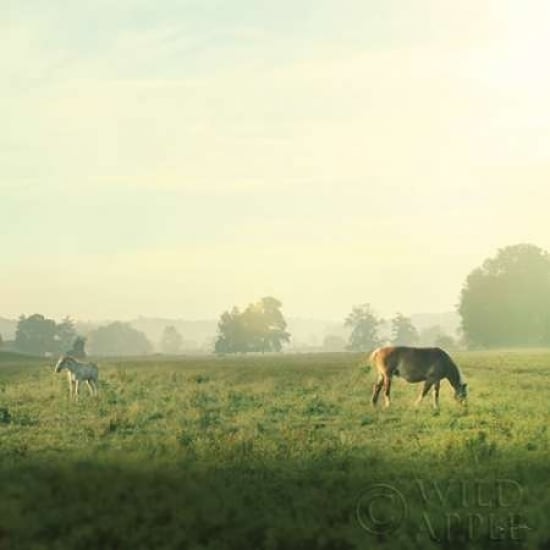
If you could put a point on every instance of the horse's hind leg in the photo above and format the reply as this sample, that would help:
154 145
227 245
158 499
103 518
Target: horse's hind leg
387 388
377 387
425 390
90 387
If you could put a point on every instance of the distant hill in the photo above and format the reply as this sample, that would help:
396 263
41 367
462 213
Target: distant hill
196 335
311 332
449 321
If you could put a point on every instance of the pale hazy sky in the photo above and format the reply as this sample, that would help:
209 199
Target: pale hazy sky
177 158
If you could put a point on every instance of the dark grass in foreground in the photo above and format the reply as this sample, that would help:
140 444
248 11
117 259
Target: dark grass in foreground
273 452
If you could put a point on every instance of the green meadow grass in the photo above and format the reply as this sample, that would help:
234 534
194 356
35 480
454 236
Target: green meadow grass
273 452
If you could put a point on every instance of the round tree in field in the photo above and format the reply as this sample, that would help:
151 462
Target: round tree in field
364 328
119 339
36 335
404 332
171 341
506 301
261 327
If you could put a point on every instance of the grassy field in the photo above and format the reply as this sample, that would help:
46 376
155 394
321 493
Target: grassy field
273 452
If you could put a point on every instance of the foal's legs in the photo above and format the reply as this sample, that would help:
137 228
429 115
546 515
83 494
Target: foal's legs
425 389
376 389
70 380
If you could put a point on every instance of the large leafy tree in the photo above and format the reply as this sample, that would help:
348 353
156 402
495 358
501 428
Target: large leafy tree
404 332
232 336
36 335
265 325
506 301
261 327
39 336
364 328
119 339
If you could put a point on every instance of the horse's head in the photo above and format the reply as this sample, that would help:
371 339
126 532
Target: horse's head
461 393
62 363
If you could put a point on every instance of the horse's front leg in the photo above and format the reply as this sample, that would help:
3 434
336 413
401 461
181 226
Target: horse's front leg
436 394
70 380
425 389
76 390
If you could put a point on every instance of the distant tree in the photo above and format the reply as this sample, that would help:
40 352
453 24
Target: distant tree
266 325
65 335
404 333
506 301
1 341
118 339
231 333
36 335
429 335
436 336
446 342
364 328
332 342
260 327
171 341
77 350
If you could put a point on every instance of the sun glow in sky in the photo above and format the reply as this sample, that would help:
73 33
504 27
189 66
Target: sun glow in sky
177 158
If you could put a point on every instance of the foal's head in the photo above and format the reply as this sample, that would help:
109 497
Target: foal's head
62 363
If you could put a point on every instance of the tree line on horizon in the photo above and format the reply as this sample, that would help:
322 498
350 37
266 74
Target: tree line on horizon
504 302
38 335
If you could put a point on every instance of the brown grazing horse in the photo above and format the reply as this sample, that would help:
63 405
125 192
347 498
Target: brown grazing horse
428 365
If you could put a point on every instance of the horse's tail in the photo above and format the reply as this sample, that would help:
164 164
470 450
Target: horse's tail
373 356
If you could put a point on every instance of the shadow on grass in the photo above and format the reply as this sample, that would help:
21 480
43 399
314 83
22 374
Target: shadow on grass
331 503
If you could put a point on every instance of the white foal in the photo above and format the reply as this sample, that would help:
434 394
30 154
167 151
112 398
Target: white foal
78 372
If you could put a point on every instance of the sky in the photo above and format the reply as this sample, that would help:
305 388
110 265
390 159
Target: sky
176 158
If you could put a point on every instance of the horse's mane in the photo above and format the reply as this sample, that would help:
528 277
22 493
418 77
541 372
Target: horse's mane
455 374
